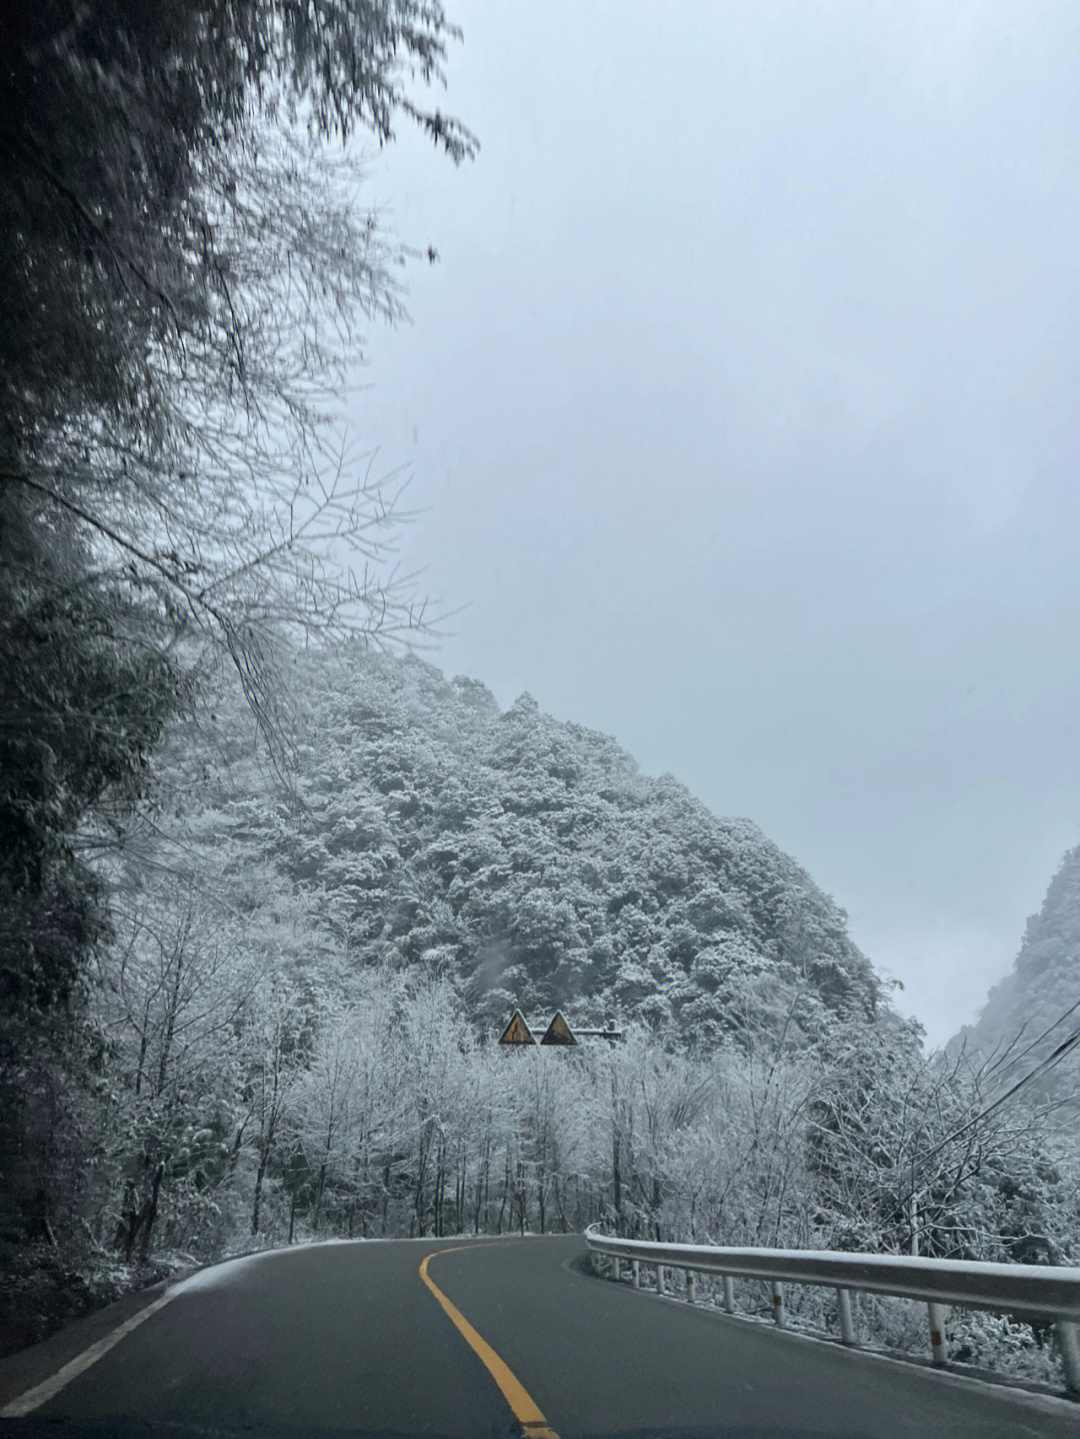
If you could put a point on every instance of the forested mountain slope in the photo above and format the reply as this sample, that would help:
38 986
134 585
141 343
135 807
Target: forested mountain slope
529 856
1017 1028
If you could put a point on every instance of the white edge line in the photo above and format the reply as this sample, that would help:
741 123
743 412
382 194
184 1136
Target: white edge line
33 1398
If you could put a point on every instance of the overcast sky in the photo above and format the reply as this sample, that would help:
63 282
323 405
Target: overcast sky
744 402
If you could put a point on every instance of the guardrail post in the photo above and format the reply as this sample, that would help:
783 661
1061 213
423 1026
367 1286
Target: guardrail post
1068 1333
1057 1293
847 1322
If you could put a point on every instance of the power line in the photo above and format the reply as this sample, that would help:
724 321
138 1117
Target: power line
1051 1060
1012 1063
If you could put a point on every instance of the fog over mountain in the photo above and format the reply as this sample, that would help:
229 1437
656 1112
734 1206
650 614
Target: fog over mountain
1035 1009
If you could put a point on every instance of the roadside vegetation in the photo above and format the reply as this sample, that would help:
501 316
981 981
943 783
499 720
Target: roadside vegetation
183 269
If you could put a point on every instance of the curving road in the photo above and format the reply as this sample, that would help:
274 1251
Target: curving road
468 1338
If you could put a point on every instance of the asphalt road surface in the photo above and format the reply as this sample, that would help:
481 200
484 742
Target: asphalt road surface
465 1338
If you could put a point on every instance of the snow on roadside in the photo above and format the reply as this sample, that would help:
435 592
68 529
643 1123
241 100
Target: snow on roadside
220 1274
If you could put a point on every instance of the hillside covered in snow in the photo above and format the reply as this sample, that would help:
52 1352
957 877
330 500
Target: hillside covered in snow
526 855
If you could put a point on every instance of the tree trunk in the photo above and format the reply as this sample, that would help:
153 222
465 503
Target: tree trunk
521 1197
150 1213
320 1186
260 1175
127 1214
138 1214
437 1191
481 1180
505 1196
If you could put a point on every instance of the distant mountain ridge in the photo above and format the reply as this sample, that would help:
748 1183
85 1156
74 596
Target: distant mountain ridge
531 857
1043 985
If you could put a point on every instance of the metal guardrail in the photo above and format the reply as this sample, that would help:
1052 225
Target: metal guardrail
1035 1291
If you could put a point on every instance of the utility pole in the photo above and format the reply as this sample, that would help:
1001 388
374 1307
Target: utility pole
616 1173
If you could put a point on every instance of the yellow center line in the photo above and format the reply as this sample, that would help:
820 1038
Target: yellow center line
526 1410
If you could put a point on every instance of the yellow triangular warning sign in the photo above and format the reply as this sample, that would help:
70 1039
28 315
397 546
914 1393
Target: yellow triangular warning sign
558 1031
517 1031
